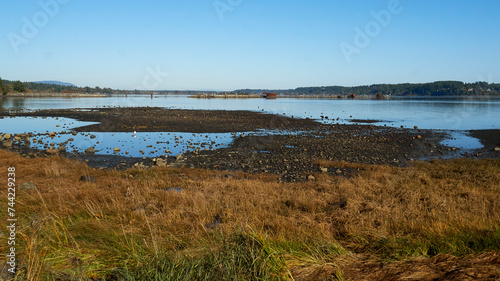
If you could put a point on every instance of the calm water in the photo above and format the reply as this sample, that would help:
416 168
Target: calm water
448 114
445 114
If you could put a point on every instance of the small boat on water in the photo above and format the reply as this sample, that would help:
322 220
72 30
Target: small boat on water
270 95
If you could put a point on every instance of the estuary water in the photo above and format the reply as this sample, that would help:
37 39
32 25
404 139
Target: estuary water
450 114
427 113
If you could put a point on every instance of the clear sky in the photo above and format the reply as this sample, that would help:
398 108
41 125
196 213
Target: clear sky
235 44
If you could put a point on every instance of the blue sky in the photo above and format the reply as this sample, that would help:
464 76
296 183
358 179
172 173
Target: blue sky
235 44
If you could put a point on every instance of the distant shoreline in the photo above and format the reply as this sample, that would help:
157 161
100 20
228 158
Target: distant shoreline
66 95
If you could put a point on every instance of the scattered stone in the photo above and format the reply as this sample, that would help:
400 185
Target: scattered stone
7 143
324 170
497 148
27 185
52 135
51 151
7 136
74 133
87 178
419 137
229 176
116 149
17 138
415 127
71 139
140 165
161 162
92 136
61 148
178 157
90 150
311 178
338 171
168 151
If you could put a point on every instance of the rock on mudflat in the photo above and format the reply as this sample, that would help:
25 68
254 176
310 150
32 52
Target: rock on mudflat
324 170
311 178
90 150
116 149
7 136
161 162
27 185
51 151
497 148
140 165
7 143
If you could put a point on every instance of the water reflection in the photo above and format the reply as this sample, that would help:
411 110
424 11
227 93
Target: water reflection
461 113
141 145
462 140
38 125
12 103
137 145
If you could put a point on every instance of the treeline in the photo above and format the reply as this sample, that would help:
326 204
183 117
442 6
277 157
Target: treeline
7 86
441 88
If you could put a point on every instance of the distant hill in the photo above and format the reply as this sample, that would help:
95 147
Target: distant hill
56 83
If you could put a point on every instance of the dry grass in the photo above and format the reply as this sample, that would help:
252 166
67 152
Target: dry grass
307 231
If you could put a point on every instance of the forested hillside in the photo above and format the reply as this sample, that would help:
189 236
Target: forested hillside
441 88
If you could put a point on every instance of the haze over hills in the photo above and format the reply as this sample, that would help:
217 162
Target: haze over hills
56 83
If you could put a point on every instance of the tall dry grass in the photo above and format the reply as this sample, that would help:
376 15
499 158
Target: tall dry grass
131 220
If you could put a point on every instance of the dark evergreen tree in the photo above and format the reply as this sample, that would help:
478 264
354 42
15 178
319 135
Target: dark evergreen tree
18 86
2 87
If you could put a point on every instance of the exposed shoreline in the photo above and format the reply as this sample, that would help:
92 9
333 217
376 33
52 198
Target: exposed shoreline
69 95
289 152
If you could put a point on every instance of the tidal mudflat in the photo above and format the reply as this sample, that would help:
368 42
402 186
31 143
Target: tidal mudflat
233 140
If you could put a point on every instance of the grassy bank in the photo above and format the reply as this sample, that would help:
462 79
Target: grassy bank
190 224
